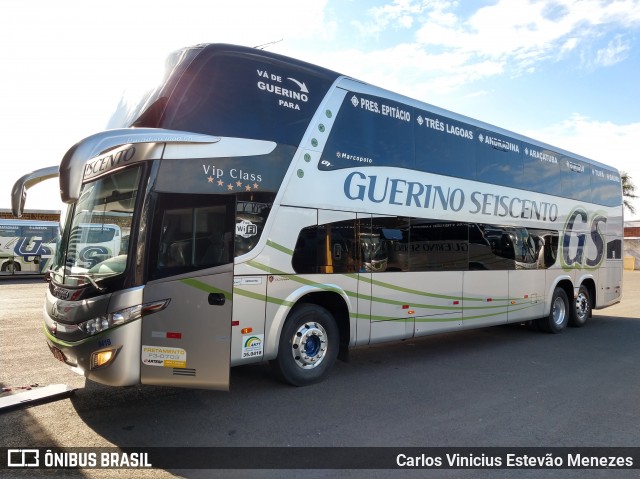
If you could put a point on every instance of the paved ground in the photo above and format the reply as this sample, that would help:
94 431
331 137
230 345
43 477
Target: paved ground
504 386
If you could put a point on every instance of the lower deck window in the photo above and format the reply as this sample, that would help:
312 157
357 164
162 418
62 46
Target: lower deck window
415 244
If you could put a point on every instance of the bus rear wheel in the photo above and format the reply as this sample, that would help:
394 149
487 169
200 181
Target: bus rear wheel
582 310
558 317
308 345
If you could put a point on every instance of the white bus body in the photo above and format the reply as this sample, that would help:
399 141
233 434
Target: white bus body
282 212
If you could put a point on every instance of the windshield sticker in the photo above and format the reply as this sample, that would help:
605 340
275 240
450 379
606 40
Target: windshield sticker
164 357
234 179
246 229
252 345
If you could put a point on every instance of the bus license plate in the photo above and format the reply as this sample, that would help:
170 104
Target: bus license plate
59 355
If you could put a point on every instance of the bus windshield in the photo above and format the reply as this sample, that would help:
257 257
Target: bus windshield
95 244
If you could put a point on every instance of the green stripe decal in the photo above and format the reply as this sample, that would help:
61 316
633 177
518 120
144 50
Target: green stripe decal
194 283
280 248
301 280
261 297
353 294
365 279
412 291
498 305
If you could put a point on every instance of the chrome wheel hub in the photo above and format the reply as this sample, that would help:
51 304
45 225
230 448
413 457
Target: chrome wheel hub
582 306
309 345
559 311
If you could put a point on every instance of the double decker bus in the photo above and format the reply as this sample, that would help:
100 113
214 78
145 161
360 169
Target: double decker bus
282 212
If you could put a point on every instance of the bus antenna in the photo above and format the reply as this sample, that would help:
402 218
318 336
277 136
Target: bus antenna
265 45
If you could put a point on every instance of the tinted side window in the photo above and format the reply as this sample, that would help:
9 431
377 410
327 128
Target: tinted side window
252 211
546 242
370 131
246 97
576 179
505 247
491 247
439 246
498 159
374 131
387 246
445 146
606 186
194 231
541 170
329 248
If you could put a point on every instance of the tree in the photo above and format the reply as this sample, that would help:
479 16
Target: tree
628 191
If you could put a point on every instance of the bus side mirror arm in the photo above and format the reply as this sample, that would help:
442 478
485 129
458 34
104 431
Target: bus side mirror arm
19 191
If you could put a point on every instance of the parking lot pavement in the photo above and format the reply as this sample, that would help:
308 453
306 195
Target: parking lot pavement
629 307
502 386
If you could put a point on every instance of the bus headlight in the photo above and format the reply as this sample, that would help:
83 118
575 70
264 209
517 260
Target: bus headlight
95 325
117 318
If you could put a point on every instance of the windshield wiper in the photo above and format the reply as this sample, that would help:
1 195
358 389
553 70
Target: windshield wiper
90 279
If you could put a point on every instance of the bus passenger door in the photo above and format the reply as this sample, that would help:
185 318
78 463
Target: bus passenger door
187 343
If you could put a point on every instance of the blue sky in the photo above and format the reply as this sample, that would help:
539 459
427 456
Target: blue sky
565 72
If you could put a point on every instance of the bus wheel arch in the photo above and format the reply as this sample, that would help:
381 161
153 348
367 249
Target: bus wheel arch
312 335
10 266
559 309
582 307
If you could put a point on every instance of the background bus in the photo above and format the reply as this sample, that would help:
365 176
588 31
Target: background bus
27 246
93 244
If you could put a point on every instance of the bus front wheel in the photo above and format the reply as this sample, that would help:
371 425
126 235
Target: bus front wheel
558 316
308 345
10 267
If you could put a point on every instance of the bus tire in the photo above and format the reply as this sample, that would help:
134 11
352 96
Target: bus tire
308 345
582 308
11 267
559 313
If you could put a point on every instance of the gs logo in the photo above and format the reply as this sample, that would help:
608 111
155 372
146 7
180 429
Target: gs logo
584 248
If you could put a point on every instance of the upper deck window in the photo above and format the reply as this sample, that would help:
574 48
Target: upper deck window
245 95
372 131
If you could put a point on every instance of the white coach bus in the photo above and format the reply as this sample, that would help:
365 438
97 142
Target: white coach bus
27 246
282 212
